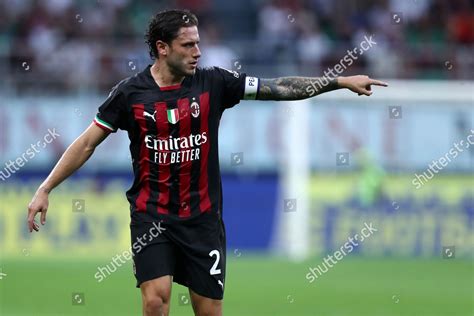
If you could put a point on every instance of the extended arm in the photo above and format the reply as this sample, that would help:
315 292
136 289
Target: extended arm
298 88
72 159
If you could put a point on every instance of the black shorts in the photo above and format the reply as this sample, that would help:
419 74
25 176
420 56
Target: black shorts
192 251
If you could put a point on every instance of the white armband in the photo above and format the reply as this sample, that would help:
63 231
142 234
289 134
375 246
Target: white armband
251 88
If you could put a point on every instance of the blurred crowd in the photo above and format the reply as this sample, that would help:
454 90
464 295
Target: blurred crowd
70 45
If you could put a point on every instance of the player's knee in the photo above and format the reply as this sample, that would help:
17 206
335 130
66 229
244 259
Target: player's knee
210 308
156 295
153 303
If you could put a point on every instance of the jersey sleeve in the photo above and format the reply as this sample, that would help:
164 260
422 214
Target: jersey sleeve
110 115
235 86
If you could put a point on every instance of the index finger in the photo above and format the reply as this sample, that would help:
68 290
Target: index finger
378 83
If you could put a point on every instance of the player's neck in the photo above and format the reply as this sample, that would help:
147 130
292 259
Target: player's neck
163 75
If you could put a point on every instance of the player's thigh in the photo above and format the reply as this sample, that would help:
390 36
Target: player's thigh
154 264
158 289
203 250
204 306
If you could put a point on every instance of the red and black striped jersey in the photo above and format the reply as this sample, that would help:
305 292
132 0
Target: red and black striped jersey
173 134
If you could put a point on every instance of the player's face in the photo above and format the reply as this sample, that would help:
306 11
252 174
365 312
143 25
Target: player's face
184 52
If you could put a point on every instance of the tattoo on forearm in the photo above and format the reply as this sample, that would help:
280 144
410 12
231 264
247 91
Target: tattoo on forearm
294 88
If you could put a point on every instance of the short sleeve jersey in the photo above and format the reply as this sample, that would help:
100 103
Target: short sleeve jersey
173 134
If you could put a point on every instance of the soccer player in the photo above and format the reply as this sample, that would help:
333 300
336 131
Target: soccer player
171 112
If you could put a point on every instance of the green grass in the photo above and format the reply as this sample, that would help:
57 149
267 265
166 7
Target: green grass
254 286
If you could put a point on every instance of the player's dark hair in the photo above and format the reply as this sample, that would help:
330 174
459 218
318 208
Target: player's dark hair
164 26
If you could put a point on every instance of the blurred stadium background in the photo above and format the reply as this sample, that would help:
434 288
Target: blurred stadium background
299 178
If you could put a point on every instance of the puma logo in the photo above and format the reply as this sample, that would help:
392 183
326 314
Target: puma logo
145 114
220 283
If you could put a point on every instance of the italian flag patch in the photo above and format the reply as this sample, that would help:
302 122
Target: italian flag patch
104 125
173 116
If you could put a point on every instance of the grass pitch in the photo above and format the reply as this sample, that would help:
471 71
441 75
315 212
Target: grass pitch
255 285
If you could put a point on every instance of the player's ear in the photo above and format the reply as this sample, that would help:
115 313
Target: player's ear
162 48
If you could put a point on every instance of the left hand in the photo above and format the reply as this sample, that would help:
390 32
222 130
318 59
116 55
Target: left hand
360 84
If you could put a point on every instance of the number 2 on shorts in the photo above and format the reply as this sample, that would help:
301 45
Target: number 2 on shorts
214 269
